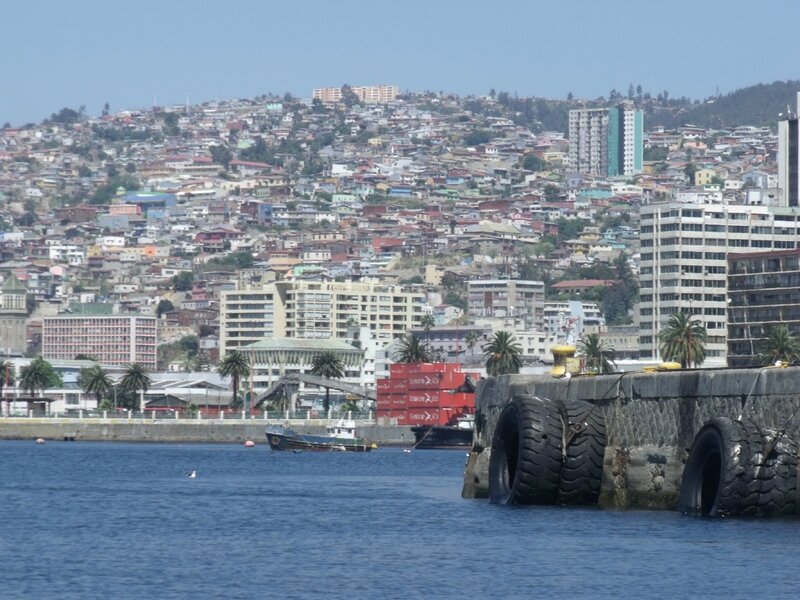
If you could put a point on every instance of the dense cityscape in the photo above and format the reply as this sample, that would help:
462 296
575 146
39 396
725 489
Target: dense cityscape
353 221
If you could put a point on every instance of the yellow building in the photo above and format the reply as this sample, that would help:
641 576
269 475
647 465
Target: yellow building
316 310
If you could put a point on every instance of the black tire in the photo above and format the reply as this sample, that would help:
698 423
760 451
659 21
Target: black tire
584 446
525 461
775 473
719 478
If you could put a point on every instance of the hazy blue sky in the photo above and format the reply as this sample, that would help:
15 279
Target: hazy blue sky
58 53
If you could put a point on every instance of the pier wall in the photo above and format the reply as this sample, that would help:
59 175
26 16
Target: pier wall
651 420
171 430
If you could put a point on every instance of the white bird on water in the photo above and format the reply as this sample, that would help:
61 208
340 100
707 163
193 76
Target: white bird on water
192 475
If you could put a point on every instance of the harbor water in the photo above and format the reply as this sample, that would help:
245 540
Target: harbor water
110 520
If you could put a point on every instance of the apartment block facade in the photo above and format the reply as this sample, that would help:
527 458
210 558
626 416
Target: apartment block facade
763 292
684 263
369 94
113 340
316 310
789 157
606 142
514 299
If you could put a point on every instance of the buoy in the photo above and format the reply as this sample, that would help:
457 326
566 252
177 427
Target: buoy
40 440
407 451
249 444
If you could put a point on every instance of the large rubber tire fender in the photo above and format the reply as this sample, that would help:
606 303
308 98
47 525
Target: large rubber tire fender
584 447
719 478
775 474
525 461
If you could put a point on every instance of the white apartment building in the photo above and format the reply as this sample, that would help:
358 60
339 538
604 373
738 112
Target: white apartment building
516 300
683 265
588 141
369 94
316 310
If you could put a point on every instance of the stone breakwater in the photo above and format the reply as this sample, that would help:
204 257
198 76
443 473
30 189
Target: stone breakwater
651 420
177 431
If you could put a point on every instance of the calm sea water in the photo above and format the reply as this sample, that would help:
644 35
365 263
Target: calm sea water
104 520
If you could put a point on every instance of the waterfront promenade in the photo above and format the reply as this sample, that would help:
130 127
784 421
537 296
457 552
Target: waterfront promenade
174 428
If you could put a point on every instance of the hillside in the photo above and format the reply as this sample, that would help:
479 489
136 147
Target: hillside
757 105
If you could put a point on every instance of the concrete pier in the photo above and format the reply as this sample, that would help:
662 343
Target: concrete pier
651 420
184 430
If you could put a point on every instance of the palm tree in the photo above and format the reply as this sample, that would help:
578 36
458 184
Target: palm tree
6 380
95 380
412 350
236 366
427 322
779 345
599 355
35 376
683 340
327 364
502 354
471 339
136 379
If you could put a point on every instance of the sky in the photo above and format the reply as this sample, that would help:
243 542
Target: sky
58 53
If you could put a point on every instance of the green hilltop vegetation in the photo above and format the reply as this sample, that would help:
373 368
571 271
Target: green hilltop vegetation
757 105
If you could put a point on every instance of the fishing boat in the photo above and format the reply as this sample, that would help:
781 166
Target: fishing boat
453 435
339 437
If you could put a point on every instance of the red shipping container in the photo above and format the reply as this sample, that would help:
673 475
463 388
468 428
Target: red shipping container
458 400
390 401
427 416
398 386
399 370
383 385
400 415
423 398
424 381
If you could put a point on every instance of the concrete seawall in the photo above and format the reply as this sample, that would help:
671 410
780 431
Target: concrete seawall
170 430
651 421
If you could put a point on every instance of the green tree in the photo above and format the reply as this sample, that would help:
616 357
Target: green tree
779 345
502 354
136 379
531 162
236 366
37 376
95 380
327 364
599 356
164 306
427 322
221 155
471 339
412 350
477 137
683 340
183 281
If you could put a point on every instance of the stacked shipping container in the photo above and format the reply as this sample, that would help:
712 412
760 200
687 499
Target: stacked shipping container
424 393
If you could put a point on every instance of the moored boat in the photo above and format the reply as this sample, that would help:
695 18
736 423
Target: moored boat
339 437
456 435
